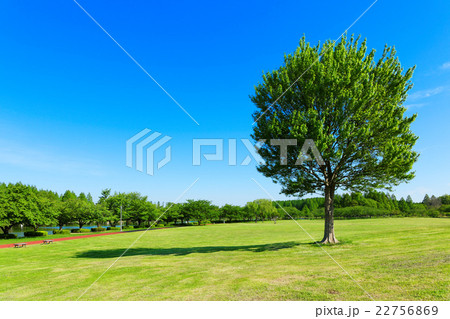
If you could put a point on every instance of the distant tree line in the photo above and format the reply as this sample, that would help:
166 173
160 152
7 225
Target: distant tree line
26 205
370 204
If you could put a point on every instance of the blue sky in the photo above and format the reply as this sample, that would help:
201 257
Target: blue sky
70 97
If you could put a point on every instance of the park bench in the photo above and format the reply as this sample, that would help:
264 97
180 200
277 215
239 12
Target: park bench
47 241
18 245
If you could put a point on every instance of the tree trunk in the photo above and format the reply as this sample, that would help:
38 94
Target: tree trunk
328 235
5 229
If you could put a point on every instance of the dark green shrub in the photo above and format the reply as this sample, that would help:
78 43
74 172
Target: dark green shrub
98 229
361 212
113 228
80 230
433 213
127 227
137 226
61 231
8 236
33 233
160 225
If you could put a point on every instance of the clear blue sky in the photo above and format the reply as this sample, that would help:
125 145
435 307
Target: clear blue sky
70 98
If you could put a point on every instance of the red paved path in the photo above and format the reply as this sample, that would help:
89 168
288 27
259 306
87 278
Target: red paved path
65 238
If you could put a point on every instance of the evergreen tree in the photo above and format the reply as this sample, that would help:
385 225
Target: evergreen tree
426 200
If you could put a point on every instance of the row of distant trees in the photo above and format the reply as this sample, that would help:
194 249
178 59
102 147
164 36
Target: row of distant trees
370 204
26 205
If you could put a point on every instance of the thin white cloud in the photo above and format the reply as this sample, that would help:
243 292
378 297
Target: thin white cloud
416 105
445 66
426 93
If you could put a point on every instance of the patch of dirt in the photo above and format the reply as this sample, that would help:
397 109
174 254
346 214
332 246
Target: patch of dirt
333 292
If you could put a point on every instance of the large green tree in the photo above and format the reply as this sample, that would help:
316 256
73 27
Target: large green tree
266 210
137 207
350 105
199 210
10 212
115 204
230 213
79 210
251 211
171 215
47 208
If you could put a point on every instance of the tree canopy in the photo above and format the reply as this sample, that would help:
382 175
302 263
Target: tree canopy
351 106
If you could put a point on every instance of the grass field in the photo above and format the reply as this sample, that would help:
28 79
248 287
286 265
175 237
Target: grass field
27 239
392 259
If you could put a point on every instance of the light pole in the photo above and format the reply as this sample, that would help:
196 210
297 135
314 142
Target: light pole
120 217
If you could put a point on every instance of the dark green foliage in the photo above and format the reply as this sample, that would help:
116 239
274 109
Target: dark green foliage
426 200
199 210
350 105
231 213
80 230
8 236
98 229
112 228
370 204
434 213
445 199
445 208
39 233
61 231
361 212
299 204
23 204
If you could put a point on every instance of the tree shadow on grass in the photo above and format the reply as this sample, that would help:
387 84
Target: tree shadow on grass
183 251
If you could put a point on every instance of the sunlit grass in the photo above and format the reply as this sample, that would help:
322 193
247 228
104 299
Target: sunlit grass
392 259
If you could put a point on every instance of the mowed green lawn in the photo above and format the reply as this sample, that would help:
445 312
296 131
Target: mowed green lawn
392 259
